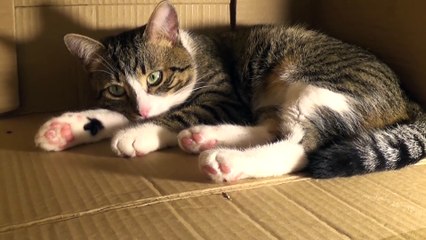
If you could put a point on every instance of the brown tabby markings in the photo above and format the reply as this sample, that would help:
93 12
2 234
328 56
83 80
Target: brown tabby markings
266 76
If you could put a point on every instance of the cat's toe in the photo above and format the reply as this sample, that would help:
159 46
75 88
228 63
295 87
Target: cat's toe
209 166
54 135
123 146
195 140
131 143
221 165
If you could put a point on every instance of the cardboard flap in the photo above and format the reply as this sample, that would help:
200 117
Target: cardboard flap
9 99
87 191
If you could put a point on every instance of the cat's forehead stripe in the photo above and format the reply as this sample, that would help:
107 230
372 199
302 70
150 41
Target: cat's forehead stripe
143 69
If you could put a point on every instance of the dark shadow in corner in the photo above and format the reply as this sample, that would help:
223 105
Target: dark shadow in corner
9 44
62 75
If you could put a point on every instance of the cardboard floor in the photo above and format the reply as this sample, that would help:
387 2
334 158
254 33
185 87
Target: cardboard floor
88 193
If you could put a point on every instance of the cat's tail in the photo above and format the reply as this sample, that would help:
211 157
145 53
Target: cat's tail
380 150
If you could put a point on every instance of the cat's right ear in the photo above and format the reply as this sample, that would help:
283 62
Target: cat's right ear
163 24
85 48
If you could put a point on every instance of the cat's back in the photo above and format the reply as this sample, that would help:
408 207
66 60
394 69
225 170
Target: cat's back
297 55
312 57
315 54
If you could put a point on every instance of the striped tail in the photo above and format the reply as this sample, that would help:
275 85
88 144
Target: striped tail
380 150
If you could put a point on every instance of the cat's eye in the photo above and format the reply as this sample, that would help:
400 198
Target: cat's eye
116 90
154 78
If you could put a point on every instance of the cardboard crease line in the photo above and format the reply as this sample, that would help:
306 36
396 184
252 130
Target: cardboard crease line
254 222
386 188
185 223
156 200
313 215
354 208
188 226
112 4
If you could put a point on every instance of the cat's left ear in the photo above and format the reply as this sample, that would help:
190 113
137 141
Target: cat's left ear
163 24
85 48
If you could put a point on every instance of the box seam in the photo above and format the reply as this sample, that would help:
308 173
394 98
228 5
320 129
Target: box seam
354 208
313 215
181 219
396 194
252 220
184 222
115 4
139 203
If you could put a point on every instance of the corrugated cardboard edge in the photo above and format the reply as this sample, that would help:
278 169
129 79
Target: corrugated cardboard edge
167 198
32 3
160 199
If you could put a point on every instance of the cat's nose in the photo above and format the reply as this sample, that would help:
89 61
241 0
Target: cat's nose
144 111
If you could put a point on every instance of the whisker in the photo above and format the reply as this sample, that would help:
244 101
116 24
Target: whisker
105 63
99 70
106 66
186 88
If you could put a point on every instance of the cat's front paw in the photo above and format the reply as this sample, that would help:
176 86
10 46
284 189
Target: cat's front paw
222 165
58 133
137 141
197 139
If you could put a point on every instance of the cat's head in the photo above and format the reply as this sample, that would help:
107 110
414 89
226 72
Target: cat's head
143 72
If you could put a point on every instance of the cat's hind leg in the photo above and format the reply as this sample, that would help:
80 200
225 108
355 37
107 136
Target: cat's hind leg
74 128
263 160
307 116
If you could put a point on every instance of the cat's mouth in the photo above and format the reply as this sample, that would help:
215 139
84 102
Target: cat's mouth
134 117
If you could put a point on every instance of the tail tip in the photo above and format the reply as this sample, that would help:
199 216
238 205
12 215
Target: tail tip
334 162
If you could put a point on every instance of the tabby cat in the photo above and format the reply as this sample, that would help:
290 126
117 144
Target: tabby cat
255 102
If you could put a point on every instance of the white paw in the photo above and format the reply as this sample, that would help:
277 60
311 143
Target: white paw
137 141
61 132
197 139
223 165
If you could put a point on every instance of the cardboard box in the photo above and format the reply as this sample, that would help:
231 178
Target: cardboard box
9 99
392 30
88 193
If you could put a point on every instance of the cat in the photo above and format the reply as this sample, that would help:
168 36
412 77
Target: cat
254 102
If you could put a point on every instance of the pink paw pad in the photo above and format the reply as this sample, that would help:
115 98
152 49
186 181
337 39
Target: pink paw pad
197 139
234 179
187 142
140 154
208 170
208 145
59 134
224 168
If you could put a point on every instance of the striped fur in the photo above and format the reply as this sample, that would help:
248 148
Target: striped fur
390 148
191 65
302 89
378 132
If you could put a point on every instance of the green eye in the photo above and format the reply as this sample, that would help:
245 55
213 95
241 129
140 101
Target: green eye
154 78
116 90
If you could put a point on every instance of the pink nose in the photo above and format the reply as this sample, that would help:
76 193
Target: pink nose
144 112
